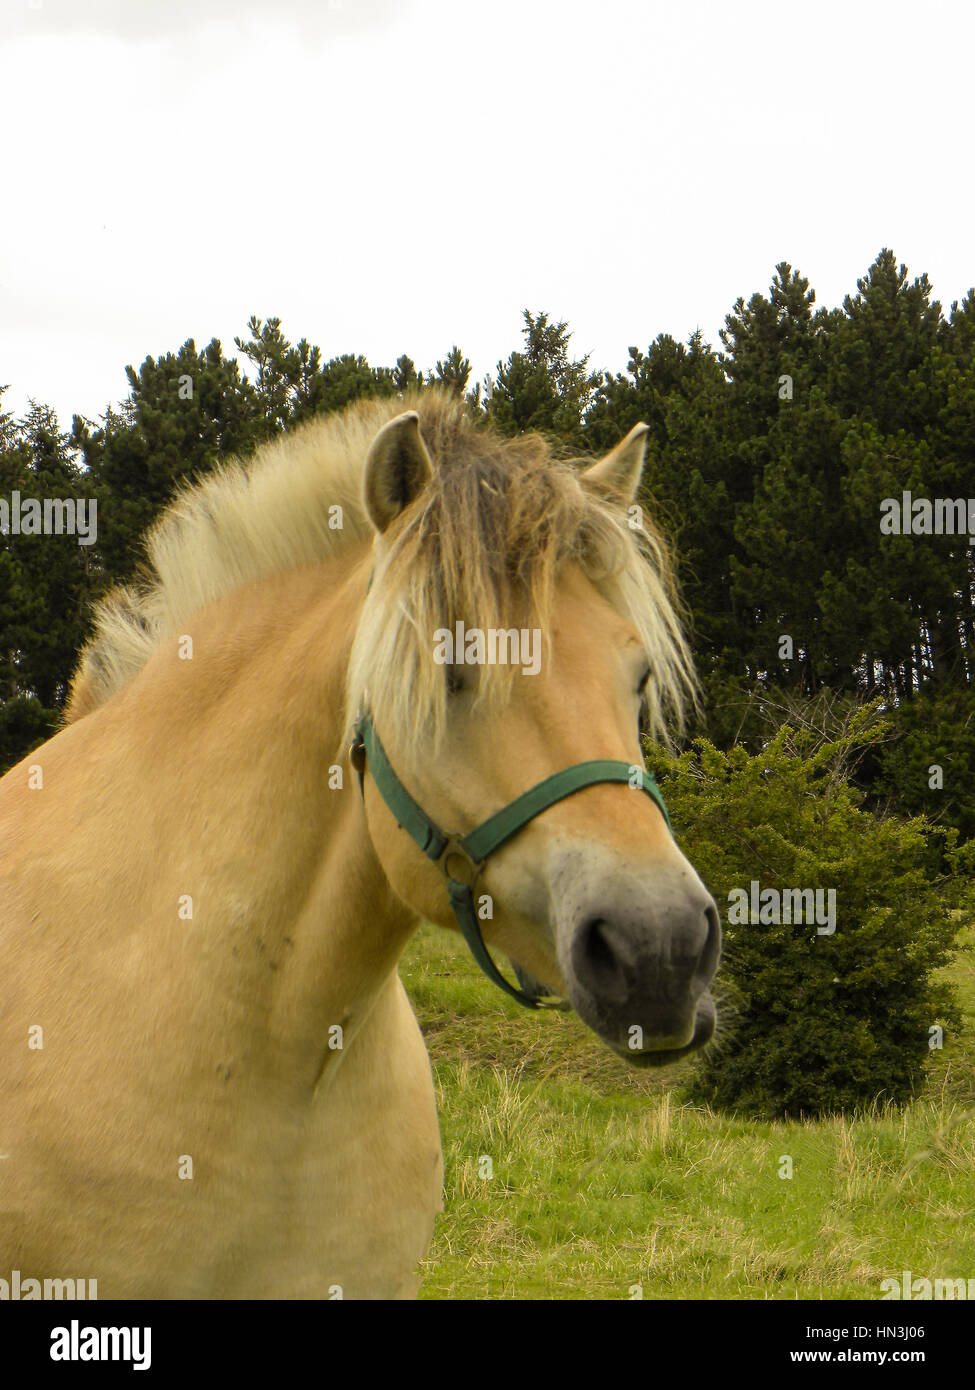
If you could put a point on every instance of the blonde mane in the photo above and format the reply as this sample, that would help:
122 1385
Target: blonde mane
484 542
241 523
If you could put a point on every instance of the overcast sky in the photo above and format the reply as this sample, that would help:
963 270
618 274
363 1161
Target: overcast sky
392 176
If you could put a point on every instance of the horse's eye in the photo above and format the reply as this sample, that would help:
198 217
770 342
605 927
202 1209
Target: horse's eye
643 722
455 681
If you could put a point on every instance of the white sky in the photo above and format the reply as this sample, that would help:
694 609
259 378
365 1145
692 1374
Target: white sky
392 176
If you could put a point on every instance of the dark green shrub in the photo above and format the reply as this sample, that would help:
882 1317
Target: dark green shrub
933 732
817 1022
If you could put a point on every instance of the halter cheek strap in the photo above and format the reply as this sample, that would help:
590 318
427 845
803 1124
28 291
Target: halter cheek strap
462 857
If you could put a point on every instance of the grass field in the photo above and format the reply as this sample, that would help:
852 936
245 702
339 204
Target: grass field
603 1182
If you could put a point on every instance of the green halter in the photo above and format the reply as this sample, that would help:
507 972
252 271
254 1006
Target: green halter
462 857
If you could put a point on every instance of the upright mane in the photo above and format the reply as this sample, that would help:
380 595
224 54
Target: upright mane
485 543
241 523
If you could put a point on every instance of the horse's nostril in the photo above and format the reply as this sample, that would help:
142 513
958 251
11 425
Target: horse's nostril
596 960
708 962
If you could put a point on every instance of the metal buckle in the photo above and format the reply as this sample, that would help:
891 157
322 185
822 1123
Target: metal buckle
454 850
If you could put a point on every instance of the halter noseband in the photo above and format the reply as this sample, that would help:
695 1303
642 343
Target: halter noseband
462 857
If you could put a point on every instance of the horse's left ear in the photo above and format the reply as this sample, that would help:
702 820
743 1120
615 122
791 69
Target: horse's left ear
398 468
617 476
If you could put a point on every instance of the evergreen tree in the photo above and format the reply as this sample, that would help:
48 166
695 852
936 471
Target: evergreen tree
350 378
44 579
454 372
543 388
690 482
824 1020
883 334
405 375
771 338
184 413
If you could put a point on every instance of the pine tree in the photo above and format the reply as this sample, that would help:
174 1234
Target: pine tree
405 375
543 388
454 372
285 381
45 581
345 379
184 413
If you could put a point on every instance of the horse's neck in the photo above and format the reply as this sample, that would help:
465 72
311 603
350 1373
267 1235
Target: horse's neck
217 773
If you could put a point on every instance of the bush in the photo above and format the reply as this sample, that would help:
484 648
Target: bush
933 730
818 1022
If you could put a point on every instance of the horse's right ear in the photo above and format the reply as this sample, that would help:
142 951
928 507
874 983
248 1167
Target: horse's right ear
398 468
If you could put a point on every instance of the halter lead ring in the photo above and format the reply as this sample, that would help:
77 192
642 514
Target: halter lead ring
462 857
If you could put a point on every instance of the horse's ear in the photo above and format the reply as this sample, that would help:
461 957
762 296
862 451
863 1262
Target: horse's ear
398 468
617 476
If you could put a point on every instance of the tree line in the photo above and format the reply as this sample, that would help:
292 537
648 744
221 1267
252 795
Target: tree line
769 459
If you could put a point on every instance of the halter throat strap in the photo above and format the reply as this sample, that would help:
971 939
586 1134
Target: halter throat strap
462 857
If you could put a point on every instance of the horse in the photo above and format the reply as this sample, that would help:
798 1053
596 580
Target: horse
213 1082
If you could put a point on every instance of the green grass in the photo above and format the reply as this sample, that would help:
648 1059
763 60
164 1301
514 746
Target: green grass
602 1180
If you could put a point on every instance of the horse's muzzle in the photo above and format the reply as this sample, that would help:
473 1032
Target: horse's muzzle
637 967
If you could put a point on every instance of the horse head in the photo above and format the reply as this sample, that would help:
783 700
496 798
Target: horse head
519 619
